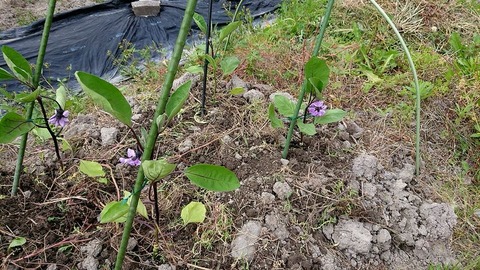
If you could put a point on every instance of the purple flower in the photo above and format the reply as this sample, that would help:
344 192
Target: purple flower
133 158
60 119
317 108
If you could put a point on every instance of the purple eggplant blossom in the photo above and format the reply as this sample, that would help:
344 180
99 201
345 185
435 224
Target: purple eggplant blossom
317 108
60 119
133 158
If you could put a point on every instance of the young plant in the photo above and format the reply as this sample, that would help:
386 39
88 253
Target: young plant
316 73
12 124
152 170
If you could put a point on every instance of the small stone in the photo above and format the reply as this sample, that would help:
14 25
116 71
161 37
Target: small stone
275 224
287 95
136 117
238 156
253 95
352 236
267 197
89 263
354 130
166 267
407 173
27 194
185 145
93 248
477 213
52 267
284 161
146 8
236 82
383 236
108 135
282 189
365 165
263 87
369 190
244 245
132 243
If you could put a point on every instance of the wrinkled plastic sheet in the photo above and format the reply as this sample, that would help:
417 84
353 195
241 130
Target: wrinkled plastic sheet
88 38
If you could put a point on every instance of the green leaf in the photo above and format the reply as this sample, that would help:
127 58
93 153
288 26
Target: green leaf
17 64
16 242
212 177
106 95
211 60
27 97
274 120
194 69
42 133
237 91
284 105
194 212
456 43
228 29
5 75
114 212
161 119
102 180
157 169
141 209
178 98
61 96
91 168
200 22
7 94
65 144
229 64
317 68
308 129
330 116
13 125
317 86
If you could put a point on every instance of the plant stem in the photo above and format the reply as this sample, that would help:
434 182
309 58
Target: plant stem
153 133
205 64
36 80
237 10
318 44
415 79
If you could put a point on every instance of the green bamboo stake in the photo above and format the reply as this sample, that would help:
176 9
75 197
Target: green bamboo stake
318 44
153 133
36 80
417 88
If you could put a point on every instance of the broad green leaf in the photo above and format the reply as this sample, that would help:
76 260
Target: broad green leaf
228 29
284 105
106 95
372 77
317 68
157 169
91 168
194 69
61 96
200 22
42 133
194 212
141 209
456 43
13 125
17 64
212 177
5 75
27 97
178 98
229 64
274 120
330 116
308 129
237 91
114 212
16 242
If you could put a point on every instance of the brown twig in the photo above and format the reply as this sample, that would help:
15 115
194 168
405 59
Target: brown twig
68 240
